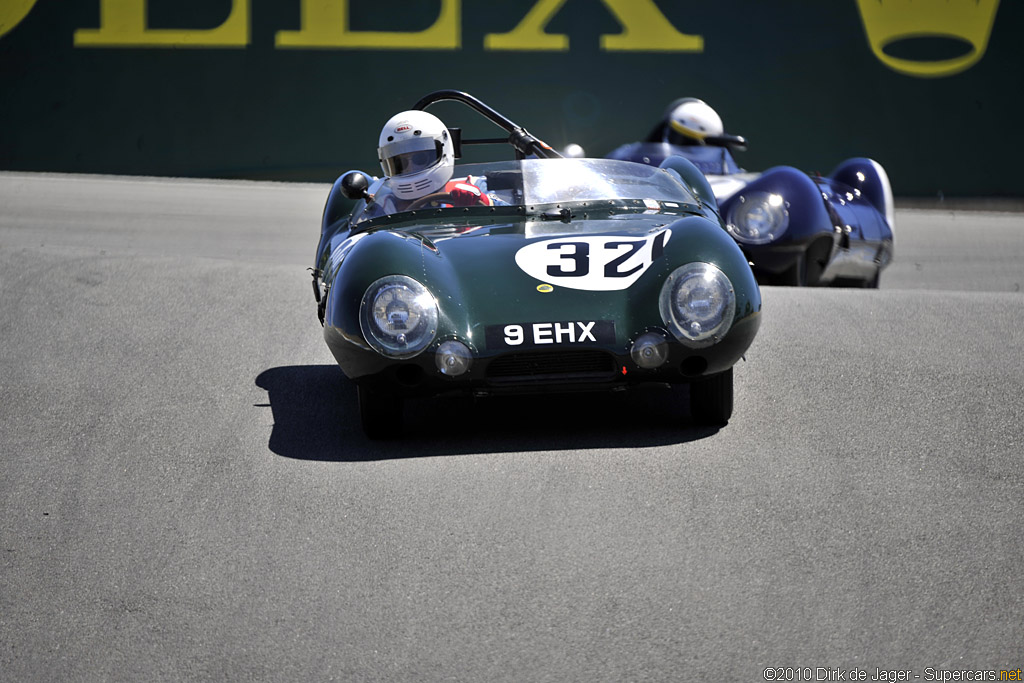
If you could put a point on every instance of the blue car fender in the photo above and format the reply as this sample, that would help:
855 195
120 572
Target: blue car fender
867 177
808 217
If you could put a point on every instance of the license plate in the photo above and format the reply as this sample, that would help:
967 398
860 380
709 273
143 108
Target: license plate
534 335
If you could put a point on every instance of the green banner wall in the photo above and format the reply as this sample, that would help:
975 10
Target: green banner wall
298 89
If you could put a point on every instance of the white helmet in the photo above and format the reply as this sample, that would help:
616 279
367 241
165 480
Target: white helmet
694 120
416 152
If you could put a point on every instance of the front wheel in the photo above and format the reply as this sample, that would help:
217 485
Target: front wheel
711 399
795 275
379 413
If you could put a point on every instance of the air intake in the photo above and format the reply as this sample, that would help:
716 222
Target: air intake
555 366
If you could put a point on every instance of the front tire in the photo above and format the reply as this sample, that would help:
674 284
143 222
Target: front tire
379 413
795 275
711 399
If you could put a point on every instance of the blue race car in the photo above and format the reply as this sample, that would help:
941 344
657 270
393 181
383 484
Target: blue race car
796 229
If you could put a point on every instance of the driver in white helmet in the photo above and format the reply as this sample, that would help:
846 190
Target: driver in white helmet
418 158
693 130
690 121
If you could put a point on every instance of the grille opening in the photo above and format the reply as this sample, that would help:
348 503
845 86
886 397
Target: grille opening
554 365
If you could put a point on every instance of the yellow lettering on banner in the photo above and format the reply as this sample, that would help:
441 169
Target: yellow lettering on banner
123 24
893 21
644 29
325 25
12 12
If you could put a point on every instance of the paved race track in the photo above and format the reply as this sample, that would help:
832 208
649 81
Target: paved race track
185 493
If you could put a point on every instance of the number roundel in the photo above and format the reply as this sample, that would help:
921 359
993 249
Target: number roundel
595 263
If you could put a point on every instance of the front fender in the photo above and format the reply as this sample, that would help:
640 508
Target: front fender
808 217
692 178
870 179
372 256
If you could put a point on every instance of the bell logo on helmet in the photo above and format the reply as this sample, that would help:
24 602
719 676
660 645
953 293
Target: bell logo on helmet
403 128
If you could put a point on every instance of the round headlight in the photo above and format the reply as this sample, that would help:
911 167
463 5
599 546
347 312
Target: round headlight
698 304
398 316
758 218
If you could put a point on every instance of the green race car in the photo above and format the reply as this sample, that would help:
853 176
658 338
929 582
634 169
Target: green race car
555 275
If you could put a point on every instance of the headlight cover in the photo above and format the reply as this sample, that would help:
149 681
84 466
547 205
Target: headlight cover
758 218
697 303
398 316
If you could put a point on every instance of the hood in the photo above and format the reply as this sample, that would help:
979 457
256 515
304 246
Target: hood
551 271
607 268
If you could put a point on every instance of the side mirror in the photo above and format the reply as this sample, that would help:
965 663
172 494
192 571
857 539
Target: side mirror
734 142
456 134
354 184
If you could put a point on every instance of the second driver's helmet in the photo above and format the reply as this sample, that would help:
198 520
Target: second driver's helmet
416 152
691 121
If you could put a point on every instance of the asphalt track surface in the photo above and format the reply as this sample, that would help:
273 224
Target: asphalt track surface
185 493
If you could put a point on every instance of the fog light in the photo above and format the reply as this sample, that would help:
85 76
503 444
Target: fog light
453 358
650 350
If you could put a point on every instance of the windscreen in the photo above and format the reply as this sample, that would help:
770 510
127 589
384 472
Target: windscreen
548 181
541 182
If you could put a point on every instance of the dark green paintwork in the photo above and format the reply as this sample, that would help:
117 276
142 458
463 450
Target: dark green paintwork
477 283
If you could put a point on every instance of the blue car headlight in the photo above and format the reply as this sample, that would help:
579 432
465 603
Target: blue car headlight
697 303
398 316
757 218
